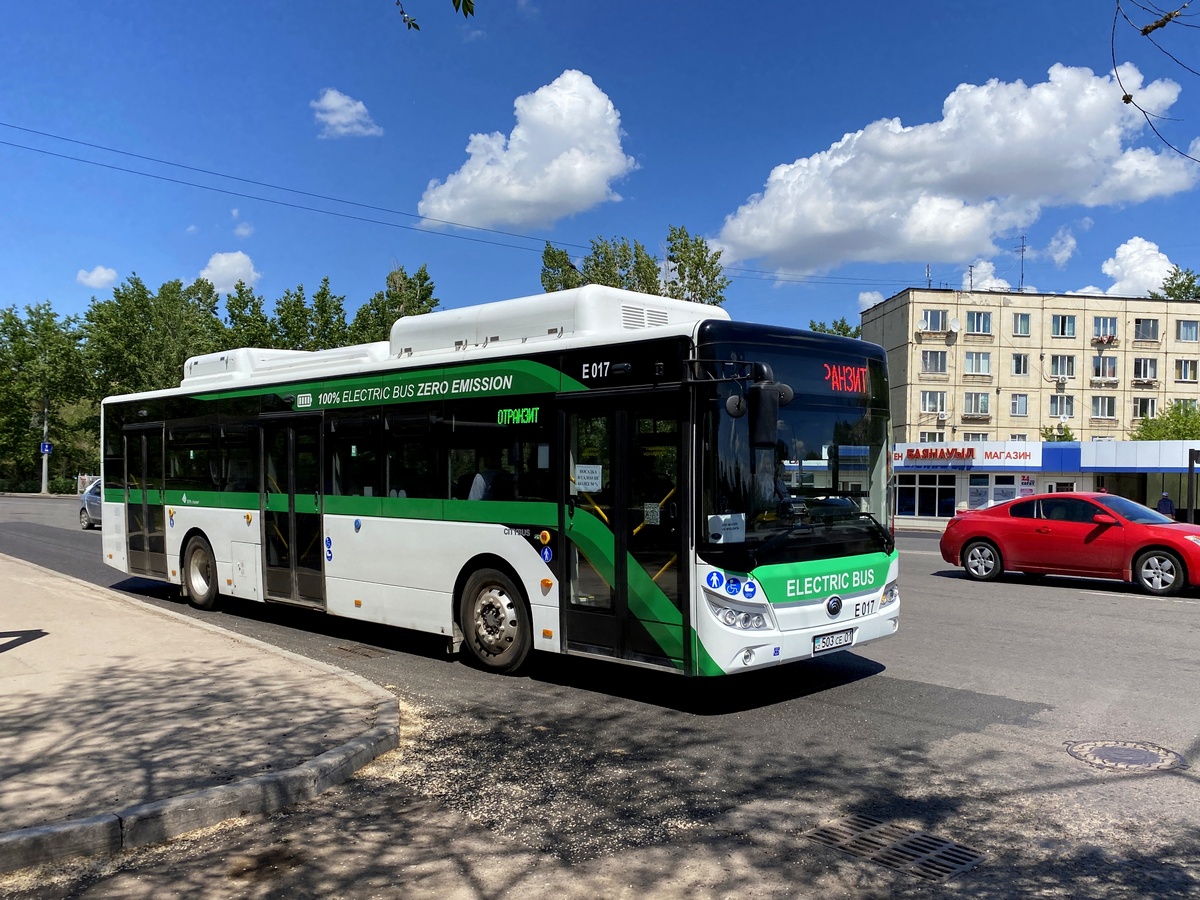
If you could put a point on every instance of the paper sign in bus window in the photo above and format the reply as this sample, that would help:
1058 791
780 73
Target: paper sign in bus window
589 478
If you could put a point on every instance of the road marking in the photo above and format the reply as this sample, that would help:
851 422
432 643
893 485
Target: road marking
920 553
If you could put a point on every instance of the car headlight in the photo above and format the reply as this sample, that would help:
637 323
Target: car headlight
891 593
1194 538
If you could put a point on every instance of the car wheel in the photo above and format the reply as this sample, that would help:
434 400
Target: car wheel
200 574
981 561
497 627
85 521
1159 572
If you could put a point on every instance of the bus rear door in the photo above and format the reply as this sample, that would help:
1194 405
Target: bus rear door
293 563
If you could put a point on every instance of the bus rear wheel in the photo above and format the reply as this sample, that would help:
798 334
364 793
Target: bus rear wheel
496 624
200 574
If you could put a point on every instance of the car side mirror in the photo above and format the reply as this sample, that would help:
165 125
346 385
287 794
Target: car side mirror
1103 519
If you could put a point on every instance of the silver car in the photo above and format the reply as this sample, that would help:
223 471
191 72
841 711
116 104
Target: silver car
89 506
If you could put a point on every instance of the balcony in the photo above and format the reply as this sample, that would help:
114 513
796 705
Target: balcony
1144 382
1104 381
976 417
1105 340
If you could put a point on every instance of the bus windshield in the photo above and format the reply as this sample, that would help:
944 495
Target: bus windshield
820 489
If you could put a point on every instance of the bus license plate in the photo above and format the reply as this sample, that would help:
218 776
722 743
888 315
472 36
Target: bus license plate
832 641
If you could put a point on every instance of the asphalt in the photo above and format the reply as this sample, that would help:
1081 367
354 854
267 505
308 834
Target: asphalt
122 724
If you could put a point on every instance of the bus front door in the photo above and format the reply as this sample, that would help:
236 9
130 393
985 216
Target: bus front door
145 517
293 553
622 532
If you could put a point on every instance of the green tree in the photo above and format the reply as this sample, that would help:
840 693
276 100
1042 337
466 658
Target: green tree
329 318
1180 284
247 322
1054 433
138 340
1179 422
403 295
40 359
619 264
293 321
839 326
558 272
466 7
694 271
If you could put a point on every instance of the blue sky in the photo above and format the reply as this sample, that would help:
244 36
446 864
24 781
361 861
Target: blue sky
836 154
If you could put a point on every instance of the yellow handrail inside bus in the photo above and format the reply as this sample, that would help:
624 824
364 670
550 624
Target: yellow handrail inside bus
661 503
592 503
670 562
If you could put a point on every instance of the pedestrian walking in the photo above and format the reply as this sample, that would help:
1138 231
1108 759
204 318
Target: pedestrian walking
1166 505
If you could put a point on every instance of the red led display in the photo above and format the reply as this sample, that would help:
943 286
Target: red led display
846 379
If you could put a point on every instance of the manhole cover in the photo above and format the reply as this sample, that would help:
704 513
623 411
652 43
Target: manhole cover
903 849
1126 755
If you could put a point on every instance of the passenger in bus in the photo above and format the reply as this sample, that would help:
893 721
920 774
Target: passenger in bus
490 479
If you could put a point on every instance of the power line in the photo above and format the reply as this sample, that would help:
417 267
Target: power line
733 271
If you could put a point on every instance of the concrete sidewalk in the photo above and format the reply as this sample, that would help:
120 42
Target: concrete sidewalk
122 724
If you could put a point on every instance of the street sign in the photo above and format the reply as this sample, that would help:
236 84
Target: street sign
47 448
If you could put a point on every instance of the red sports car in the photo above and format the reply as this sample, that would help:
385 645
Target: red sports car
1096 535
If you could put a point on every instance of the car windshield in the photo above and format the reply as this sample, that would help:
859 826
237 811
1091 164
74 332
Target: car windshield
1134 512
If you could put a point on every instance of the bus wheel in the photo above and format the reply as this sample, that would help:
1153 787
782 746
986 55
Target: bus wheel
496 623
200 574
981 560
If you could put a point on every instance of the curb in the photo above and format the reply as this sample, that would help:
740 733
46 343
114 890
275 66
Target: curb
161 820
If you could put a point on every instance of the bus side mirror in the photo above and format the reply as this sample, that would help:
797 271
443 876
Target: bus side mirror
765 399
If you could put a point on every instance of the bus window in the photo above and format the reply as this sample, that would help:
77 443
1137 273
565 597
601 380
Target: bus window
350 447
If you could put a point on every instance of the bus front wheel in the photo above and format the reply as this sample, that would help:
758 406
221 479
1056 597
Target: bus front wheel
200 574
496 624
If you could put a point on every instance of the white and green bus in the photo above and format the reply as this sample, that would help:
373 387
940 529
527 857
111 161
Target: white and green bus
594 472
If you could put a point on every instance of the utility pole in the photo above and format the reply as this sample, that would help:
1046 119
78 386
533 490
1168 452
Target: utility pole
45 455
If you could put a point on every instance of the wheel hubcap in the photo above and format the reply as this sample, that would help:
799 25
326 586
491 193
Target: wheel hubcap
980 561
1158 572
200 576
495 619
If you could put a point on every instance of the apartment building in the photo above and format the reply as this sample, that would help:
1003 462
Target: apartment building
976 366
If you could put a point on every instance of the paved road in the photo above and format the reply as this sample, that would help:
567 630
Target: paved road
587 779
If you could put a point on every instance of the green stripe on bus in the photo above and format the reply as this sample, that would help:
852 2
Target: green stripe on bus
497 379
702 662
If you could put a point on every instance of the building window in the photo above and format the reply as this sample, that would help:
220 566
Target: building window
933 401
1062 326
927 494
975 403
1186 330
978 363
1020 404
933 361
1189 403
1145 367
1062 365
932 437
979 323
975 435
1021 324
1185 370
1145 329
1023 436
1062 405
1020 364
933 320
1145 407
1104 367
1104 407
1104 326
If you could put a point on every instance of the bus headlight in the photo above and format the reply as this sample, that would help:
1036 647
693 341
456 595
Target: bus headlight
742 618
891 593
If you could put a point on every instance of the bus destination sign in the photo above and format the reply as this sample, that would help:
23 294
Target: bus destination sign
846 379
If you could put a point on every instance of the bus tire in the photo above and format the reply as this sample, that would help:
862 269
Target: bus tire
200 574
496 624
981 561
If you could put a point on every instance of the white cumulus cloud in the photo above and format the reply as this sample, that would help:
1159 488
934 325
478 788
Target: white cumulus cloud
99 277
560 159
867 299
944 191
225 270
342 116
1136 268
243 229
